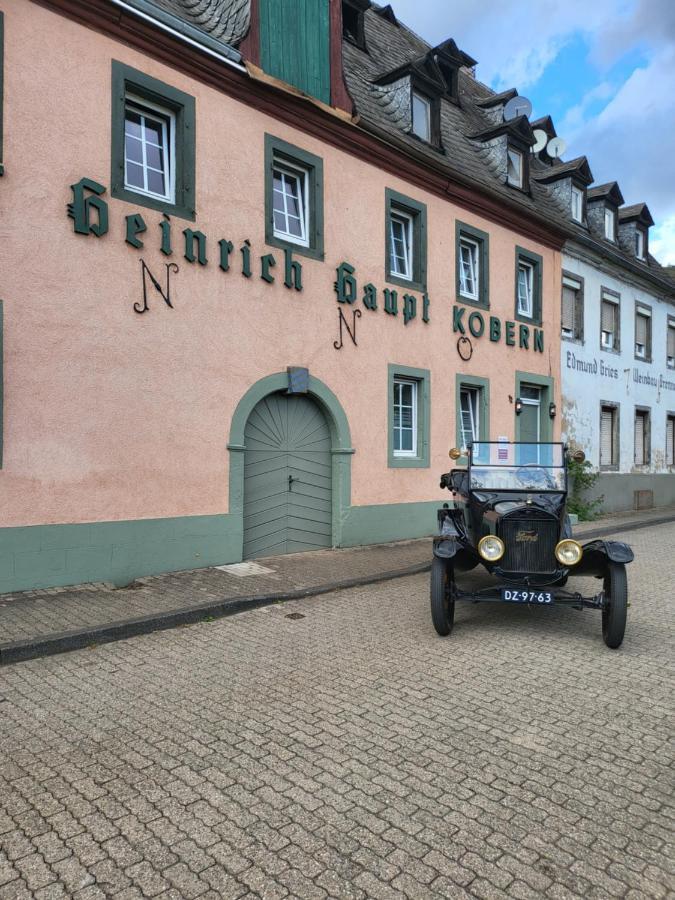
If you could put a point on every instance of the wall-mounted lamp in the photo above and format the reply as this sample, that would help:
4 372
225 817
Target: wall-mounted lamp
552 409
519 406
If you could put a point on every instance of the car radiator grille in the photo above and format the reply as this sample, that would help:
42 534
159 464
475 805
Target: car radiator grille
530 543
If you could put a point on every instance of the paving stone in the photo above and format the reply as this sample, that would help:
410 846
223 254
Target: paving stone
350 754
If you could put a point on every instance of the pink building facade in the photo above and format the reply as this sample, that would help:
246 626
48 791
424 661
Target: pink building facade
188 382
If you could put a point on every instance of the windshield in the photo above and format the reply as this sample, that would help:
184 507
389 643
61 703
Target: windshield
516 467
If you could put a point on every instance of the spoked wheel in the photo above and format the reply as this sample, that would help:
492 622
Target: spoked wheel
442 599
616 598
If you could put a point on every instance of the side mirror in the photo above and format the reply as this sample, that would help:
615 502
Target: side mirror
455 453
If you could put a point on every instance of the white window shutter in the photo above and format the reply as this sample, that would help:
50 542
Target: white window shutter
569 301
639 439
606 422
671 340
670 441
607 316
641 330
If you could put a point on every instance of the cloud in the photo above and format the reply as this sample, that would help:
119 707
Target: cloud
662 242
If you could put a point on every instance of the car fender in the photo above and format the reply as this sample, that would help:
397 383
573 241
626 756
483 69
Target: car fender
446 548
598 554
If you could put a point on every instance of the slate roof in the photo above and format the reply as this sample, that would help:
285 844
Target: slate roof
465 127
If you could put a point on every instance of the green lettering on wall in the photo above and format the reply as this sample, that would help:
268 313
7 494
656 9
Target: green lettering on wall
292 271
135 225
391 302
267 262
495 329
165 227
538 340
409 307
370 296
190 238
81 208
246 258
226 248
524 337
345 285
425 308
510 334
476 324
457 324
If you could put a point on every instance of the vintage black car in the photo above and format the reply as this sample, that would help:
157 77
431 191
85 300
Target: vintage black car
508 514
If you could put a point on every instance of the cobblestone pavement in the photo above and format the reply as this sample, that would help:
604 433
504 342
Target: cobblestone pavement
350 753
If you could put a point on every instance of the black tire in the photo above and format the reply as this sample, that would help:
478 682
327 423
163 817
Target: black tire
614 613
442 601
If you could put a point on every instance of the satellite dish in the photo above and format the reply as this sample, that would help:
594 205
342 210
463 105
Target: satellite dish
540 138
556 147
517 106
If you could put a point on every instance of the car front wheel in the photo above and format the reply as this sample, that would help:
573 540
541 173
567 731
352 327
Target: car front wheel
442 601
616 608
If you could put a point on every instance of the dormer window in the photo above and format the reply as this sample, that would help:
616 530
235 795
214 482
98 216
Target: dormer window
514 168
640 244
352 24
577 204
421 116
610 224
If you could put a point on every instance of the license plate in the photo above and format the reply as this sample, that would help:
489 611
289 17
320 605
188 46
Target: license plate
538 597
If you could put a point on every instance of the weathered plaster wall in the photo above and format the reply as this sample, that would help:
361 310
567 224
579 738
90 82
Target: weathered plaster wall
591 375
114 416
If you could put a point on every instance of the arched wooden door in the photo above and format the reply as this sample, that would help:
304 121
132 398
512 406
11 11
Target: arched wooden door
287 477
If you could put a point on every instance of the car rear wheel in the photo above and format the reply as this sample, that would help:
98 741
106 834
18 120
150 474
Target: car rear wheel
442 601
616 609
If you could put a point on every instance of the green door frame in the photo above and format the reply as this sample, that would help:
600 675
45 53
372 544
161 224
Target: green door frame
546 383
341 451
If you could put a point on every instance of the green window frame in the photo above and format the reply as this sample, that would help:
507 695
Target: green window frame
537 263
482 240
547 396
2 383
422 379
125 81
483 386
285 154
2 86
395 202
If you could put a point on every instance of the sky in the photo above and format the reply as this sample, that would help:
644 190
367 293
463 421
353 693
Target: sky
604 70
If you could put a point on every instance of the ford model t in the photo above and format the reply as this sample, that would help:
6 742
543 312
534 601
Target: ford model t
508 514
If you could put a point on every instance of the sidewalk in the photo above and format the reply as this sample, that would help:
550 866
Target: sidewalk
38 623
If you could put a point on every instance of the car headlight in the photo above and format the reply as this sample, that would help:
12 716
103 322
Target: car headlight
491 548
568 552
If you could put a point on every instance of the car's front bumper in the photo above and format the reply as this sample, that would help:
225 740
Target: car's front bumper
560 596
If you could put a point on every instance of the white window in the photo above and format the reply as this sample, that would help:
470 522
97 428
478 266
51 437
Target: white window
405 417
643 326
421 116
290 203
401 244
608 436
670 440
525 289
640 244
670 346
577 204
571 294
149 149
608 324
469 255
514 168
610 224
641 437
469 398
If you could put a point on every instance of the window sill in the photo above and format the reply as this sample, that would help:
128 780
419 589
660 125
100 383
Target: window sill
526 320
171 209
573 340
614 468
643 359
408 462
615 351
300 249
468 301
403 282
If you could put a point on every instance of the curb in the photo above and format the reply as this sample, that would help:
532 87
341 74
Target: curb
78 639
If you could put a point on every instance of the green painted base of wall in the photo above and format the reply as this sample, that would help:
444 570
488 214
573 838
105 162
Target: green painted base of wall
619 488
388 522
42 556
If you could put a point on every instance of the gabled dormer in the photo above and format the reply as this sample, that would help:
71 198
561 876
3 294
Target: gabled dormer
508 146
353 27
493 106
568 181
634 224
602 206
414 91
450 59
